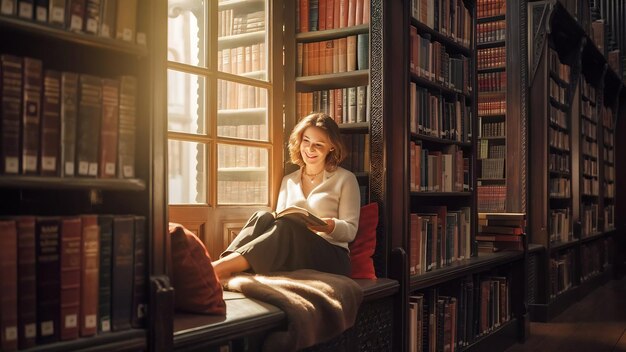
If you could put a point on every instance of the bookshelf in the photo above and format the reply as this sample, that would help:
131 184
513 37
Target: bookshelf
439 182
569 207
110 186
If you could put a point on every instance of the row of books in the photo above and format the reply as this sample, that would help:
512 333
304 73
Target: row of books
609 172
588 92
491 58
241 60
559 118
591 186
64 123
345 54
609 154
588 110
589 220
589 130
105 18
500 231
492 168
251 190
430 60
491 198
560 187
238 156
590 149
492 129
590 167
559 163
490 106
491 31
558 139
558 69
609 190
490 149
609 139
358 152
448 17
438 171
489 8
439 237
434 115
596 256
454 320
66 277
237 96
319 15
609 217
345 105
491 82
561 273
234 22
560 225
558 93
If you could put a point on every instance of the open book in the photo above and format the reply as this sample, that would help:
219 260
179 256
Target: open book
300 214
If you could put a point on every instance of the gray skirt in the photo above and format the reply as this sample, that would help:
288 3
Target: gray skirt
284 245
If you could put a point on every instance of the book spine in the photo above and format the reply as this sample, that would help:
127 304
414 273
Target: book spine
11 113
69 115
109 130
89 274
50 123
8 284
126 21
27 284
31 115
48 280
122 274
56 12
104 294
75 15
25 9
107 23
139 308
92 16
88 125
41 10
70 277
126 137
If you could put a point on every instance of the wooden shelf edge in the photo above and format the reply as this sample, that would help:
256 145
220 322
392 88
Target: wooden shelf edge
43 182
134 339
305 37
462 268
52 32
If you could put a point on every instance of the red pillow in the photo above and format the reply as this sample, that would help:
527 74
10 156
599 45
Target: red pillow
362 248
197 289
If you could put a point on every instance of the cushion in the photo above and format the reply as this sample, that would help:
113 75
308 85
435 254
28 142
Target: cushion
197 289
364 244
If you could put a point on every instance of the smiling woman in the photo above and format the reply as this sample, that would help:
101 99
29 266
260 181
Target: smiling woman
266 244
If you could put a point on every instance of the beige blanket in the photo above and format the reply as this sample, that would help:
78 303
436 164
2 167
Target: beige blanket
319 306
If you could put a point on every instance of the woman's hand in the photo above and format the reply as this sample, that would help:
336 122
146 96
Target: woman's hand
328 228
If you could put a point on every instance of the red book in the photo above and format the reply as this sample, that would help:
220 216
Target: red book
70 277
50 123
8 284
27 284
10 113
322 9
304 16
90 275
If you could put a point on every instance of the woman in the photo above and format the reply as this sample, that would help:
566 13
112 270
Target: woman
266 244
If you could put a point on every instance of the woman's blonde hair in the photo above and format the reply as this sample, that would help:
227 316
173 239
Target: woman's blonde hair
328 125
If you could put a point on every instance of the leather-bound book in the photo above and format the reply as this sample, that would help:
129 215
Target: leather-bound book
71 238
48 231
8 285
90 278
50 123
104 291
123 272
27 283
31 115
139 263
10 113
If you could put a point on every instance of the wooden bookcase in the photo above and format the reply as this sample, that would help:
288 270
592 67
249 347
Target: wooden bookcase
141 194
572 101
443 281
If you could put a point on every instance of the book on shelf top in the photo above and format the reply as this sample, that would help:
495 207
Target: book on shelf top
300 214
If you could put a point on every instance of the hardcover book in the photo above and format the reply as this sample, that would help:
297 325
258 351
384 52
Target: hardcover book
50 123
26 284
139 288
122 272
104 294
69 111
31 115
90 278
48 279
8 284
70 276
300 214
10 113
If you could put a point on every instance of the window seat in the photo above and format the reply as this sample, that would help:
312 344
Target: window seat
247 321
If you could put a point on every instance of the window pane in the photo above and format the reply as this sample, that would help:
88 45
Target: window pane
242 48
241 104
187 172
185 102
186 32
242 175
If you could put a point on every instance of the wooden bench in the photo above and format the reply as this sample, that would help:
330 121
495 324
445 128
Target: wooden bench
248 321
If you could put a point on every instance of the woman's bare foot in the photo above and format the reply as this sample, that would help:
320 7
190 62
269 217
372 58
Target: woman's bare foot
227 266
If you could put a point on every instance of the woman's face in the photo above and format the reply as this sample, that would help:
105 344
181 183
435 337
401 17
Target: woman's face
314 147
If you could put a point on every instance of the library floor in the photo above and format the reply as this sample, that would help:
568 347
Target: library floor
597 323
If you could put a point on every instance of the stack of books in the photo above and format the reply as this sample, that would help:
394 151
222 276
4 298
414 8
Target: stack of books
500 231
